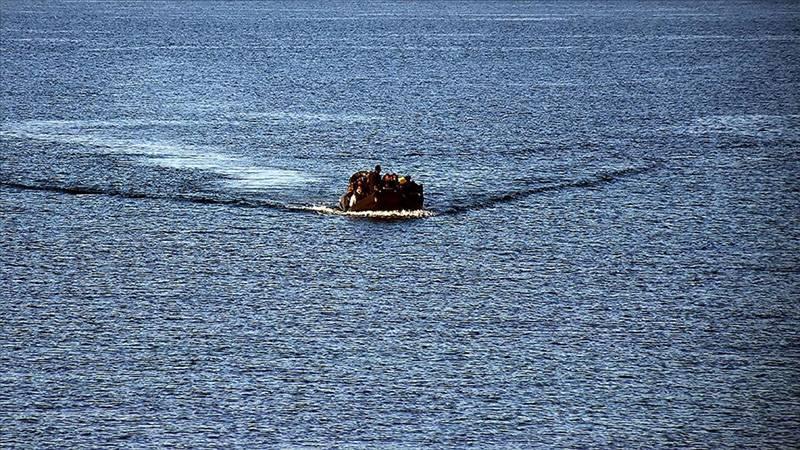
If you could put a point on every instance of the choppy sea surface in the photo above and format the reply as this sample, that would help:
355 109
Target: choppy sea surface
608 257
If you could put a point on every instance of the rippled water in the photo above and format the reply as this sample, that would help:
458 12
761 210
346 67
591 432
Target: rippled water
608 255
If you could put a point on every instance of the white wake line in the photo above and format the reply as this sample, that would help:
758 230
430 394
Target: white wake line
403 214
239 172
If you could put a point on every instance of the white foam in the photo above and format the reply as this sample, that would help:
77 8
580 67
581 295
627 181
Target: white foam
725 37
239 172
45 39
308 117
518 19
257 178
747 124
404 214
74 126
132 48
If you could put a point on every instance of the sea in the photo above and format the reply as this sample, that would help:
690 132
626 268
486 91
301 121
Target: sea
608 256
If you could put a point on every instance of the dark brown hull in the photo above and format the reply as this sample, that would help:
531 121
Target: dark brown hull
385 200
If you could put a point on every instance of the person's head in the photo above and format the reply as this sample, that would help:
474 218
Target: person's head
378 168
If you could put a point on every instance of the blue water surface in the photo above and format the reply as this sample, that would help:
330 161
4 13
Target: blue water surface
608 257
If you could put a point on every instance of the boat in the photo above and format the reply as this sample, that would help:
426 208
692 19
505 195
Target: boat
371 191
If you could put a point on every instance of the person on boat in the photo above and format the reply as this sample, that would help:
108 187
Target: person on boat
359 188
353 199
386 181
374 178
357 175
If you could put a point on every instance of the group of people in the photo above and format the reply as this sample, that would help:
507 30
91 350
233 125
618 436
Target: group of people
367 182
381 192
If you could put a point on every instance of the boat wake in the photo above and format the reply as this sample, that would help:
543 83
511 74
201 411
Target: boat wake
481 201
186 198
118 137
217 200
388 215
208 175
476 202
